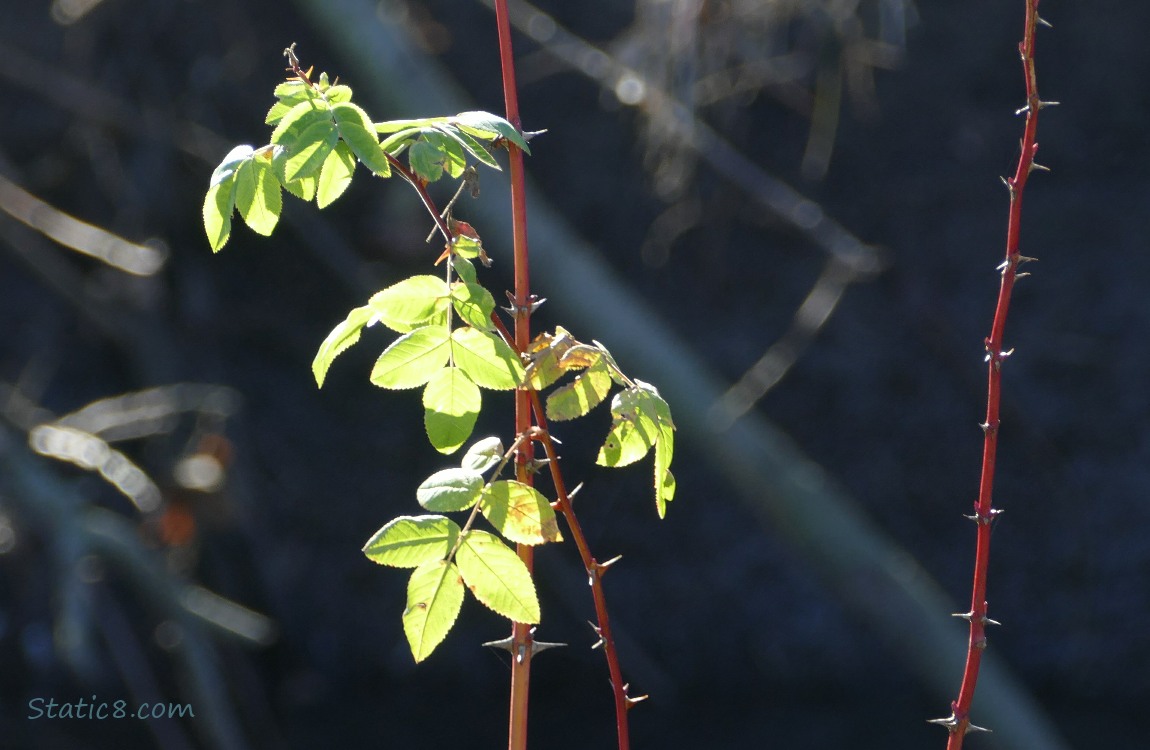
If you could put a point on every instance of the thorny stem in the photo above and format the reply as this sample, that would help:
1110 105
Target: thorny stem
595 571
984 513
521 638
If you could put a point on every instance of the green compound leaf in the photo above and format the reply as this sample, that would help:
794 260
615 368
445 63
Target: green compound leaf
497 577
474 304
357 131
258 194
486 358
219 204
488 127
334 175
483 454
341 337
434 598
411 541
426 160
450 490
416 301
413 358
451 405
581 395
520 512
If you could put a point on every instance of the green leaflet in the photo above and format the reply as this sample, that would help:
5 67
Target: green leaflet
413 358
434 598
425 160
303 188
497 577
451 404
310 148
341 337
483 454
450 490
486 358
219 204
520 512
581 395
474 304
394 126
411 541
642 419
335 175
469 143
416 301
258 195
230 163
357 131
488 127
452 158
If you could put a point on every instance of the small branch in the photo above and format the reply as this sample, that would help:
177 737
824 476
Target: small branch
958 723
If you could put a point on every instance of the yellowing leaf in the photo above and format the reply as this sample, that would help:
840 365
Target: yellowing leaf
581 395
520 512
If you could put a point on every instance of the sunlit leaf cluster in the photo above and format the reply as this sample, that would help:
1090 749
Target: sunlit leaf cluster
449 342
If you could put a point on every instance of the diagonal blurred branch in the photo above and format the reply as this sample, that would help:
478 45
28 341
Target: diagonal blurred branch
784 201
140 260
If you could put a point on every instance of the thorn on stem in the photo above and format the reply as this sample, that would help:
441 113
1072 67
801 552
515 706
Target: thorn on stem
1044 22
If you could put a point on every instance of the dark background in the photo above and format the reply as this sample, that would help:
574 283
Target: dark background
117 118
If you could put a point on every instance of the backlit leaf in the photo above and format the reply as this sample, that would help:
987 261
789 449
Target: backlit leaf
394 126
450 490
309 150
425 160
335 175
486 358
413 358
488 127
434 598
219 204
341 337
411 541
474 304
258 195
415 301
451 404
581 395
452 156
357 131
497 577
470 143
520 512
231 162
